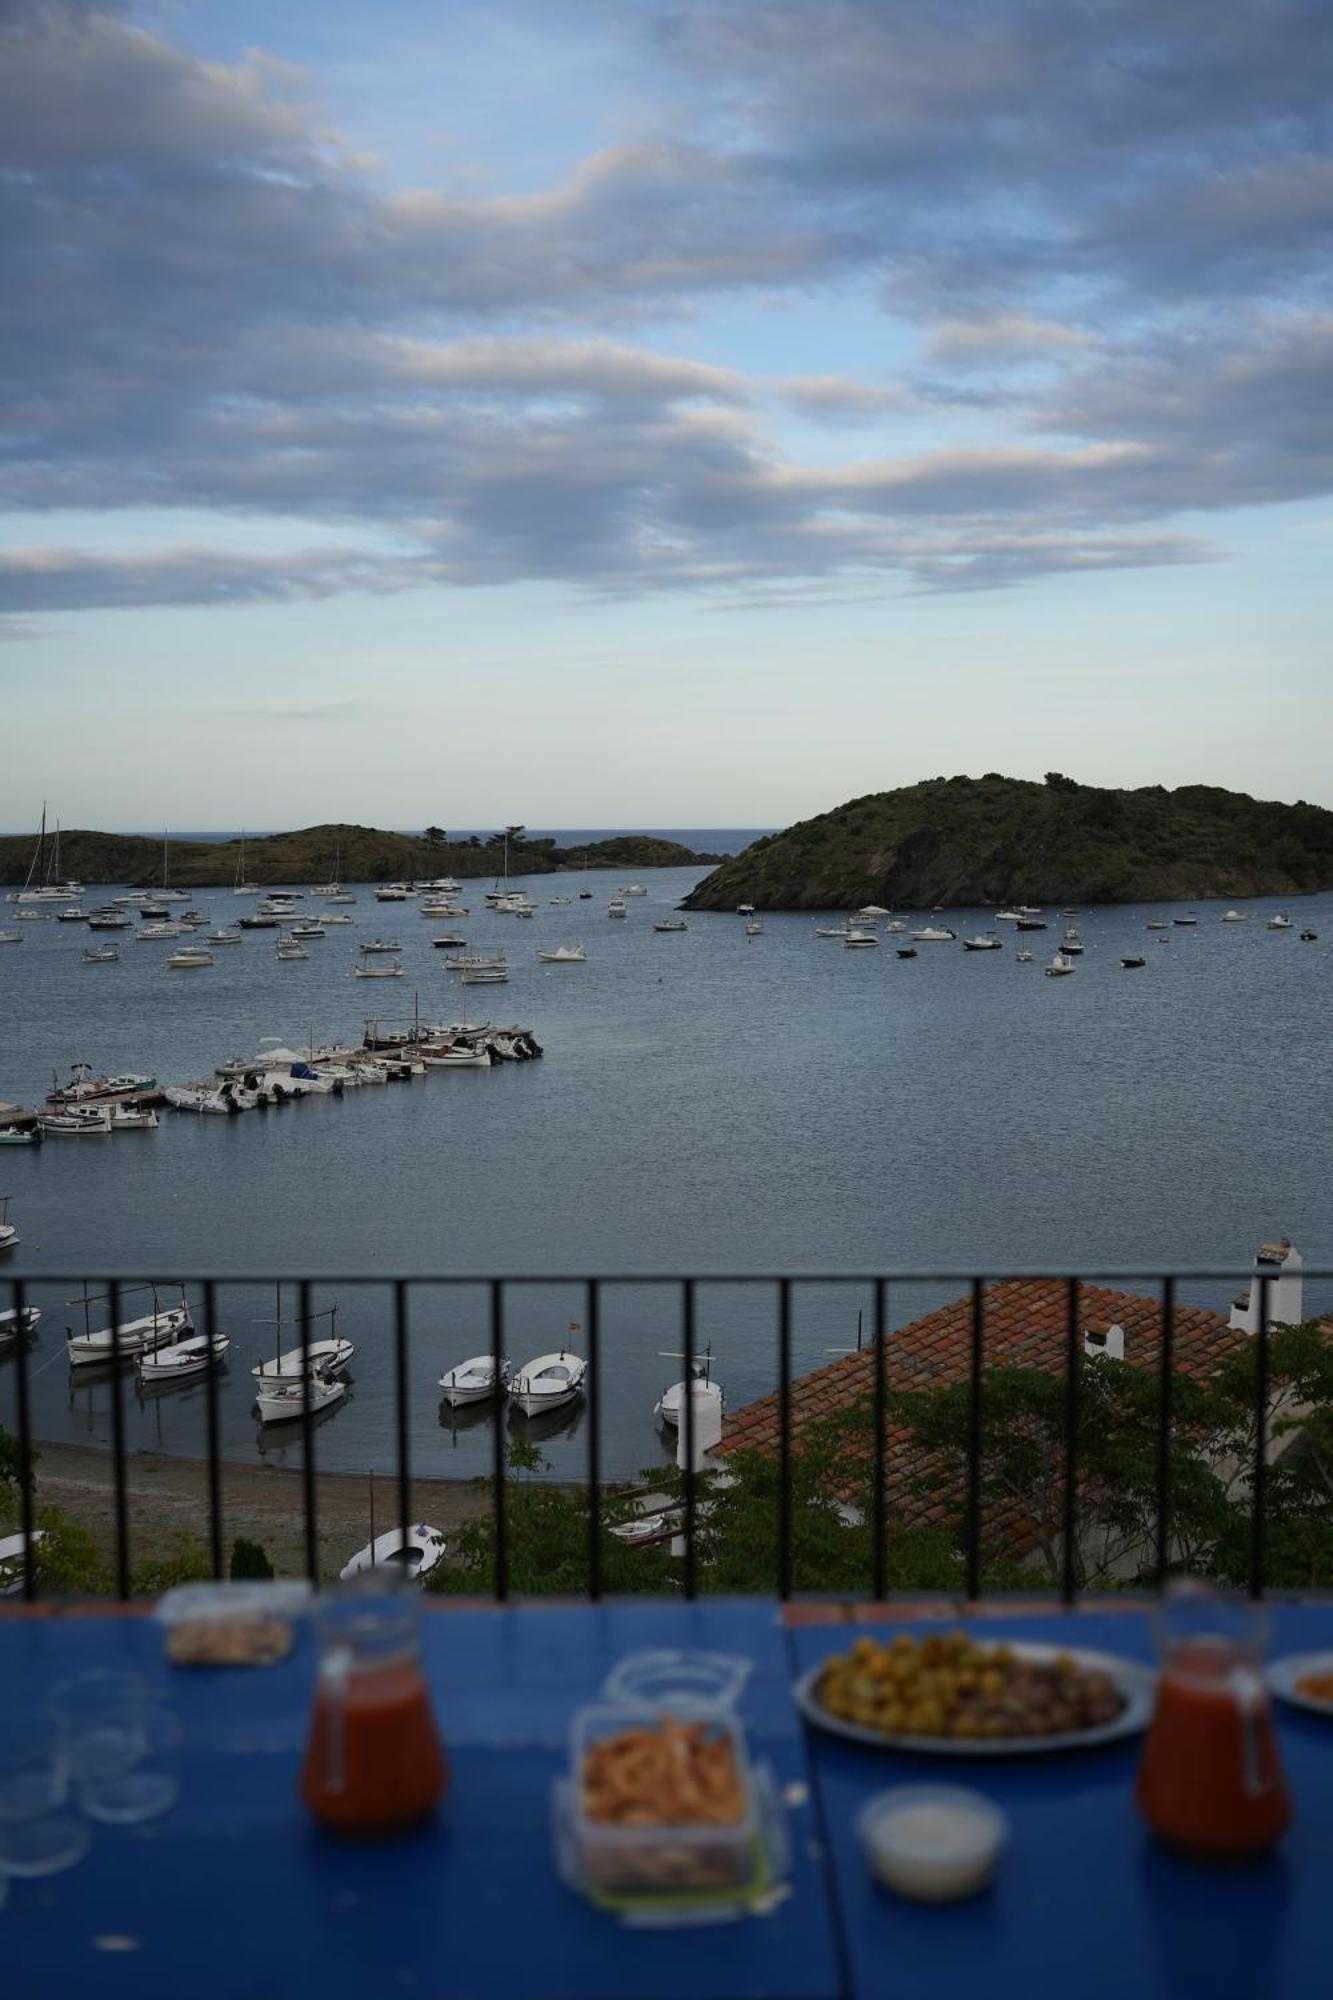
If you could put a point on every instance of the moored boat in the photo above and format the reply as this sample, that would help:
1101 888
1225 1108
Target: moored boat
548 1382
473 1381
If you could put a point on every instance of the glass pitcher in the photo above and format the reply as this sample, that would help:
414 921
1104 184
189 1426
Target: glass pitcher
1211 1778
374 1763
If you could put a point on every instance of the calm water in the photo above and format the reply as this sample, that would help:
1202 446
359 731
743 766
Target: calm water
705 1101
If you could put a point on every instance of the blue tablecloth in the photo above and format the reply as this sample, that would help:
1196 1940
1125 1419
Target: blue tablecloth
235 1894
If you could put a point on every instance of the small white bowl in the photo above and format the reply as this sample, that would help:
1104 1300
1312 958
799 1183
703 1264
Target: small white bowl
932 1843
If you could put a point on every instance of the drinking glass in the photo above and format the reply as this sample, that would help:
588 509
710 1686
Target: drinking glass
151 1784
99 1716
38 1834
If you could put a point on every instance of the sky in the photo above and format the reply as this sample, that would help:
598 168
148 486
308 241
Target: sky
658 412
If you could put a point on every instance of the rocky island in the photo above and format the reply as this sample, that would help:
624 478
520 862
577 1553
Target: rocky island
359 853
968 841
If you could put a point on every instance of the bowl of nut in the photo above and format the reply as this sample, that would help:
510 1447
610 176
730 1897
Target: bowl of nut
948 1694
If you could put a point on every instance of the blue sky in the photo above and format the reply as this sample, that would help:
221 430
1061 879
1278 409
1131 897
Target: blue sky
687 412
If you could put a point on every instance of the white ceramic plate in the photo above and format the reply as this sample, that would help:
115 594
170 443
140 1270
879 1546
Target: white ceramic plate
1283 1675
1135 1683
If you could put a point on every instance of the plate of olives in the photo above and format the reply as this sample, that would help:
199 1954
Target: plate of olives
950 1695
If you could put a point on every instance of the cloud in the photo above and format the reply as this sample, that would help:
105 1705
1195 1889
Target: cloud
210 302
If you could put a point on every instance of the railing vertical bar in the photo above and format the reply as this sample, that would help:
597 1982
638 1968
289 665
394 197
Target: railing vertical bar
500 1579
972 1534
592 1313
211 1431
308 1488
878 1550
1164 1416
18 1300
687 1433
400 1383
1260 1475
784 1438
1069 1552
118 1446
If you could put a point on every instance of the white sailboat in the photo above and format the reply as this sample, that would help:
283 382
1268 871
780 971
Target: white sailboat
564 954
43 884
286 1402
181 1360
242 887
132 1336
14 1323
328 1357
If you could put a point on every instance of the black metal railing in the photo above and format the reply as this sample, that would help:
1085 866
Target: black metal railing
881 1289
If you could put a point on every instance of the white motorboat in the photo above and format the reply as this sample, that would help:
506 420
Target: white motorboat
198 1097
1024 957
181 1360
72 915
133 1118
615 908
671 924
560 902
132 1336
450 941
707 1396
832 930
14 1323
287 949
287 1402
485 975
473 961
745 909
414 1558
75 1121
548 1383
894 925
564 954
983 942
634 889
755 927
1071 944
108 920
1060 965
393 892
159 933
9 1234
374 945
223 936
870 913
20 1135
1232 917
11 937
11 1559
1281 922
473 1381
307 930
391 971
855 940
935 934
188 958
1008 916
458 1056
327 917
107 955
259 921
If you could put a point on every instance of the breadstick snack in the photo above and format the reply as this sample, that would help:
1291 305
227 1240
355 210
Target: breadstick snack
663 1802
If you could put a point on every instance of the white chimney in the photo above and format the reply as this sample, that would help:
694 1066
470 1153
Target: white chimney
1280 1264
1108 1345
707 1426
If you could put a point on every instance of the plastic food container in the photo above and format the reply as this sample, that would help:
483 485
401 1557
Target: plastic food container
662 1857
932 1843
247 1624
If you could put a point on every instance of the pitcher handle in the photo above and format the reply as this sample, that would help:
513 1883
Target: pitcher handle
1251 1700
334 1673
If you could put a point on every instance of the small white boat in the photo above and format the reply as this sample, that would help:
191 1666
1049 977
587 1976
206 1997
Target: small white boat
133 1118
1281 922
414 1558
671 924
894 925
11 937
1157 924
754 928
983 943
289 950
380 945
564 954
547 1383
222 937
707 1396
1024 957
1071 944
832 930
20 1135
287 1402
856 940
11 1559
181 1360
1007 916
158 933
307 930
189 957
75 1121
107 955
71 916
634 889
391 971
935 934
316 1357
133 1336
259 922
560 902
1233 917
473 1381
745 909
456 1056
615 908
1060 965
9 1235
197 1097
14 1323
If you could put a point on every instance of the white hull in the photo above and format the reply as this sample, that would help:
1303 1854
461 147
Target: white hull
472 1381
707 1397
13 1323
136 1336
327 1357
182 1360
547 1383
422 1552
287 1403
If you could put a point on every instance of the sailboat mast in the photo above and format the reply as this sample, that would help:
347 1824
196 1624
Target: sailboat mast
35 865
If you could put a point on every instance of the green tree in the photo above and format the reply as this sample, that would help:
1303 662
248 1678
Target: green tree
248 1559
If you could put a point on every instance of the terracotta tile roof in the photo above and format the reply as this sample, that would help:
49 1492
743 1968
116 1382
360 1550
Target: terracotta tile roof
1024 1324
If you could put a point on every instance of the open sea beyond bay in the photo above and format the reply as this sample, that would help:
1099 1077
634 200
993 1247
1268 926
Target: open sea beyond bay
707 1101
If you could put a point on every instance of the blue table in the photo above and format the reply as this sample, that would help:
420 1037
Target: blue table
235 1894
1086 1904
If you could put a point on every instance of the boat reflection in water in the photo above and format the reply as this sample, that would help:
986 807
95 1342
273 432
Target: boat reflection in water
547 1424
465 1416
276 1438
